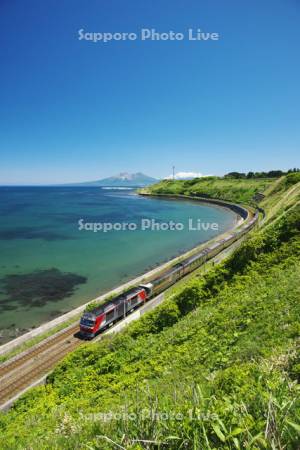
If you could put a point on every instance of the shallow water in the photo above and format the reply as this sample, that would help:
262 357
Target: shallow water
48 266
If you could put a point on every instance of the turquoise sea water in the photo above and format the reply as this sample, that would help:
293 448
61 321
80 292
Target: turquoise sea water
48 266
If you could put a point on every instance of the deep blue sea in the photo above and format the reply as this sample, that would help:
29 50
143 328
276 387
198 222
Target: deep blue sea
48 266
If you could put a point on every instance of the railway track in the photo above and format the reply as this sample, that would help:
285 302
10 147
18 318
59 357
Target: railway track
17 384
35 363
37 349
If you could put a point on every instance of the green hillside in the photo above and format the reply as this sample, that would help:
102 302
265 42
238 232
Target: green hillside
216 366
234 190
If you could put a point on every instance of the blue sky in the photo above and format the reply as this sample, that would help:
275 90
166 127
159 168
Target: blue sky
75 110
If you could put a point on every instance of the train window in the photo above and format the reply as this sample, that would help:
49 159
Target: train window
87 322
110 315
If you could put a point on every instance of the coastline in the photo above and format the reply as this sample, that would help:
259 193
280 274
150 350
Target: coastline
69 318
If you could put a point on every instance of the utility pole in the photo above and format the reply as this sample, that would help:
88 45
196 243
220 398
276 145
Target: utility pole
173 172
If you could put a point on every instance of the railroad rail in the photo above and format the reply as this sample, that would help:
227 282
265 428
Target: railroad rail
37 349
19 373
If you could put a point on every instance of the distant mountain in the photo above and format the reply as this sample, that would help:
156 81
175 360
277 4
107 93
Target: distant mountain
122 179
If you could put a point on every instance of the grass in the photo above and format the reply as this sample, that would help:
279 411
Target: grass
281 195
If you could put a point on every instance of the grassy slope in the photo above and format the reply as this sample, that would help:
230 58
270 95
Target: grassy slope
239 191
218 364
281 195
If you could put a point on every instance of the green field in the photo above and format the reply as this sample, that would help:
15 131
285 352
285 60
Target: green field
216 366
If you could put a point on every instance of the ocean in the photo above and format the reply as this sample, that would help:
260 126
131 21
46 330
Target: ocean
55 256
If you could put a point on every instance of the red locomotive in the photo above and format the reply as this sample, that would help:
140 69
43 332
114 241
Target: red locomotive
103 316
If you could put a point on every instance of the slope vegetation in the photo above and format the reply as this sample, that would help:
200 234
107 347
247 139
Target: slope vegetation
234 190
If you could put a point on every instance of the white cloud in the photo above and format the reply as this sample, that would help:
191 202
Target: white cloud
185 176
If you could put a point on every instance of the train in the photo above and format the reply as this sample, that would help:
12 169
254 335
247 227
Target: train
107 314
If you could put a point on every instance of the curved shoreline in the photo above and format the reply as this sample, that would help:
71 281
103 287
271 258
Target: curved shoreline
48 326
238 209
